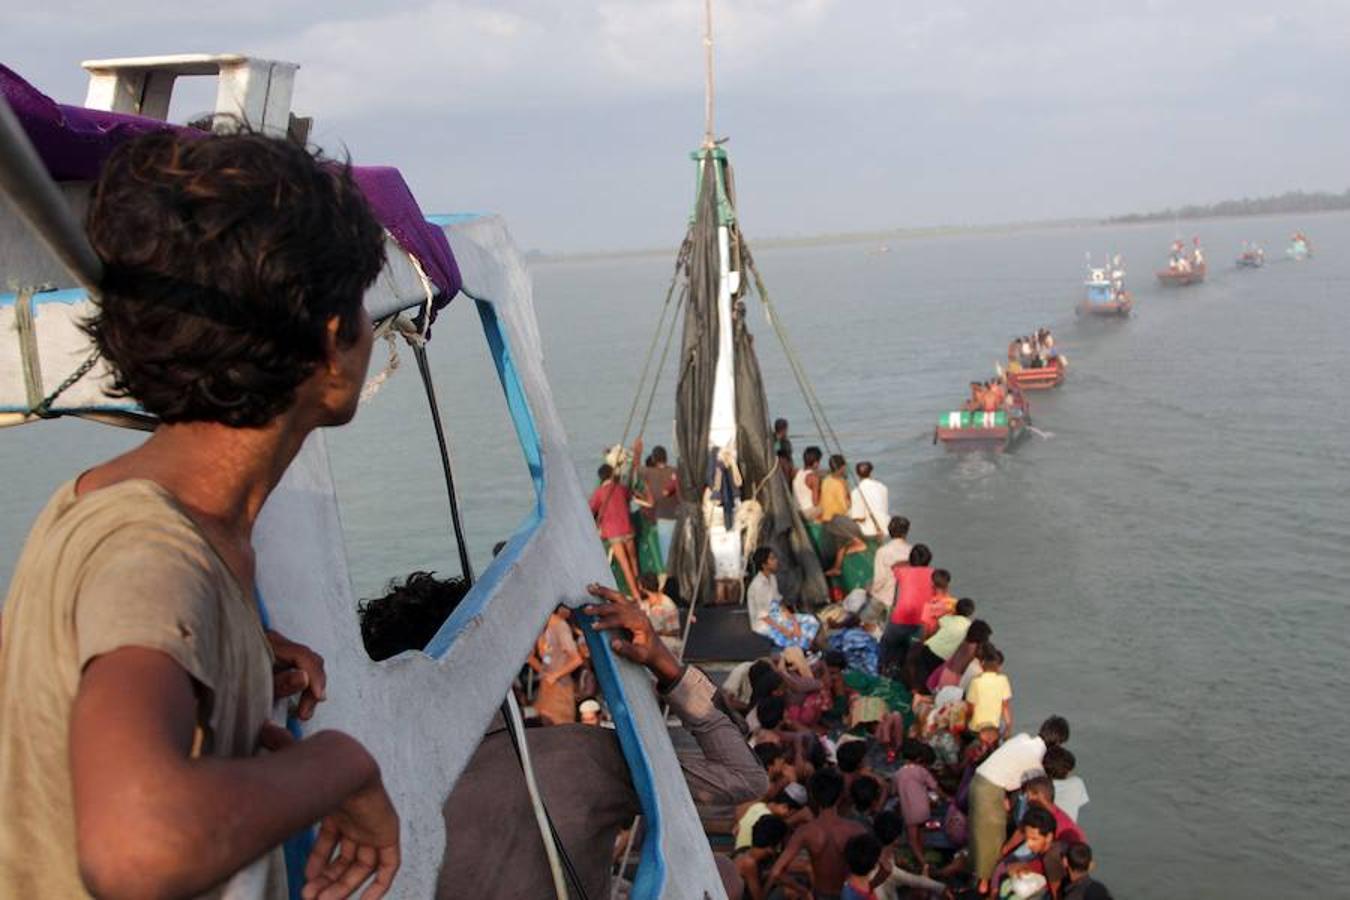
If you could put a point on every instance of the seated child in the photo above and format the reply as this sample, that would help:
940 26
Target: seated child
865 795
754 860
889 828
861 853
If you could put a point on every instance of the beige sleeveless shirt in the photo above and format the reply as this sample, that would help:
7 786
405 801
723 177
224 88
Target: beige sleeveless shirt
118 567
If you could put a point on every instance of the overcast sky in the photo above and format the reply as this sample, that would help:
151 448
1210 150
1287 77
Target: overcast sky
575 119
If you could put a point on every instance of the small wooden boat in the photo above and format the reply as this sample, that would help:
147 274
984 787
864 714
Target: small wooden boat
1184 267
968 431
1105 292
1042 378
1251 257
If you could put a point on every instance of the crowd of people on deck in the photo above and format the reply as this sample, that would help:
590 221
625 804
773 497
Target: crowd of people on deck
884 720
1032 351
886 726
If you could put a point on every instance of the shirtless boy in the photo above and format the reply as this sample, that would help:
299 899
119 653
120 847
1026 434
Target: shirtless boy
823 838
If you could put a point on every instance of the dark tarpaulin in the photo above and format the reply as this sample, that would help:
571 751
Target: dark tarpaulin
800 573
694 395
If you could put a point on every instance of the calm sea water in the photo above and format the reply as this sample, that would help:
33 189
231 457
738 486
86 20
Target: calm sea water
1166 566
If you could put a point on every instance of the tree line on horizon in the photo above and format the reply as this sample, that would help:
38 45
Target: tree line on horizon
1288 202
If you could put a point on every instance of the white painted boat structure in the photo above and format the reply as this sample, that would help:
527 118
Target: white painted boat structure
422 713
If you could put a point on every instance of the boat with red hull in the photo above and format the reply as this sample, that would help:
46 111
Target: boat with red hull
981 432
1184 267
1050 375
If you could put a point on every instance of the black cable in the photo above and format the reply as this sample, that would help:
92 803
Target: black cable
466 568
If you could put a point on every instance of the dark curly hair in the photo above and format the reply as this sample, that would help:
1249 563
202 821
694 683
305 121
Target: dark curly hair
408 617
226 257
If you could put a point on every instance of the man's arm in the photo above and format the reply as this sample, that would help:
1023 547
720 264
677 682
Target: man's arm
727 772
151 821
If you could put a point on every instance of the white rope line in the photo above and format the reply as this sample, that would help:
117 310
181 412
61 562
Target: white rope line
400 324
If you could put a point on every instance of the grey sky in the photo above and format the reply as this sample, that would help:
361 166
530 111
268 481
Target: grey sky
575 119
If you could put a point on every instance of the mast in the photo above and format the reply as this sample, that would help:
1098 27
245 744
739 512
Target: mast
709 86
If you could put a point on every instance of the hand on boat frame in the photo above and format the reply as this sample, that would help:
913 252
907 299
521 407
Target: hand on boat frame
642 645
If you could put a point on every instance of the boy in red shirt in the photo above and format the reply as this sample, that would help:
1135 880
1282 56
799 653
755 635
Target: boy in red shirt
913 590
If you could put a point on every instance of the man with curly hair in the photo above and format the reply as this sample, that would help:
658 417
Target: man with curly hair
136 677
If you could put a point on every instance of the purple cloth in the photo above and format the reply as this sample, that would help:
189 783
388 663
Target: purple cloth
74 142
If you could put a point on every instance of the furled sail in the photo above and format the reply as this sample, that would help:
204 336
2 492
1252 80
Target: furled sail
733 496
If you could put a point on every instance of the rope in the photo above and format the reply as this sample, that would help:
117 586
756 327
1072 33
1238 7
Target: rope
44 409
661 366
515 728
813 404
680 259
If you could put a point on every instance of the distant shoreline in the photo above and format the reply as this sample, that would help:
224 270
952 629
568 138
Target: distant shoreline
882 237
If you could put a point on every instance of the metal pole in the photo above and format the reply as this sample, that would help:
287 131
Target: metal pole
25 181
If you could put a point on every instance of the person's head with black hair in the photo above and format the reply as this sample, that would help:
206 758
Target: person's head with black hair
920 555
784 804
965 607
1078 858
770 711
836 659
979 632
780 427
658 456
850 756
824 787
864 470
234 271
649 582
1055 731
837 464
768 832
912 751
942 579
764 682
811 457
862 853
409 615
1040 788
764 560
989 655
768 754
1038 829
889 826
865 793
815 753
898 527
605 472
1059 762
